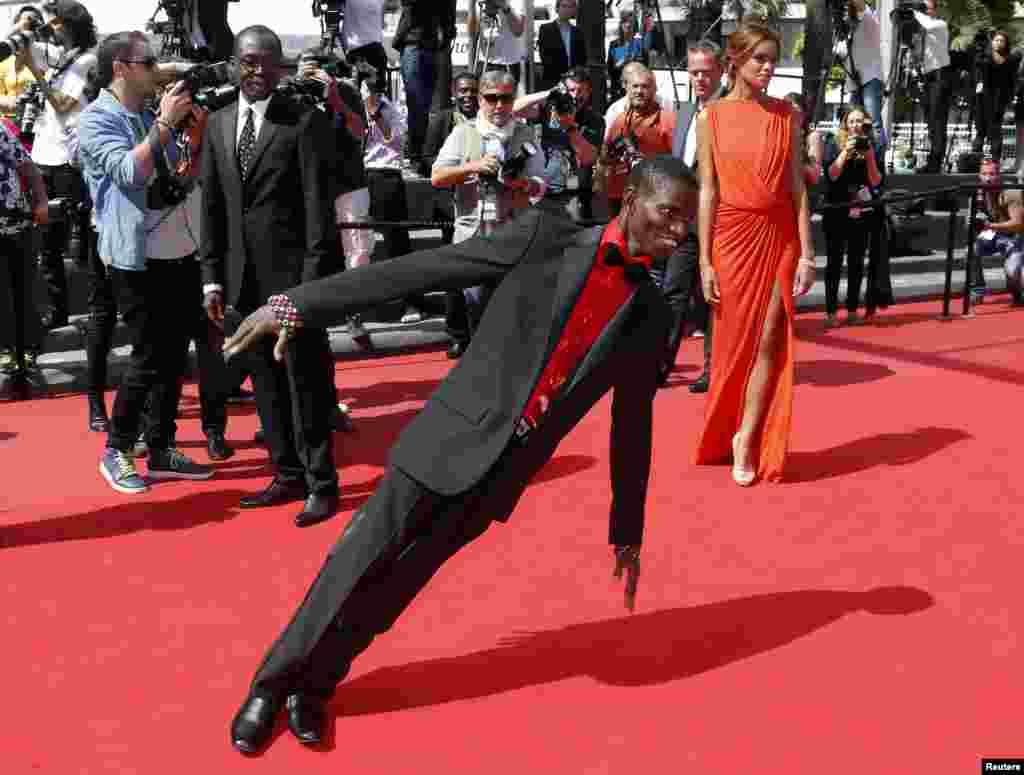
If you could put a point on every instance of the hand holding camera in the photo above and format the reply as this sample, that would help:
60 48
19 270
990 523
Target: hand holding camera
176 104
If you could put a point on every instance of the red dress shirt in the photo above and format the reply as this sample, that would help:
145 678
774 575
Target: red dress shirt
607 288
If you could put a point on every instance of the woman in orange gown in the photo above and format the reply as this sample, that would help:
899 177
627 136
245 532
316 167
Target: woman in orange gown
756 255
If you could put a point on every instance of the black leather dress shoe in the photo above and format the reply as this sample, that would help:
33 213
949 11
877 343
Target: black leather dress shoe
217 447
254 724
306 718
701 384
277 493
340 421
316 509
456 350
259 437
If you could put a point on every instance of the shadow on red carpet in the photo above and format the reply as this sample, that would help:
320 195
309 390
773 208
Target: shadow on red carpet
828 373
639 650
883 449
183 513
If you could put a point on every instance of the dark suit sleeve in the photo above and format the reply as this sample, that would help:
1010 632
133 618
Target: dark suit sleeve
329 301
213 247
632 428
315 144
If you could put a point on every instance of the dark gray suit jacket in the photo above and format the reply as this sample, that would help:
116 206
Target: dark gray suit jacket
540 263
279 224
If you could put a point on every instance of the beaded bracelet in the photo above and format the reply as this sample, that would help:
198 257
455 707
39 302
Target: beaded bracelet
286 313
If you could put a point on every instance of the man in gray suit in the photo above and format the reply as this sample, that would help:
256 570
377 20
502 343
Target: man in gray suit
682 274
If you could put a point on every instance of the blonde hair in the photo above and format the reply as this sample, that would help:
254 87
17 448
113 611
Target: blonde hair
843 134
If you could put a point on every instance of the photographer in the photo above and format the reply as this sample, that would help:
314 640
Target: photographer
472 160
15 74
122 147
863 61
21 334
853 174
999 222
64 89
362 33
938 81
501 44
571 136
996 75
425 29
643 131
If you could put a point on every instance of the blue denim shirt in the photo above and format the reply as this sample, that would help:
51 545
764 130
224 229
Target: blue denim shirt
107 134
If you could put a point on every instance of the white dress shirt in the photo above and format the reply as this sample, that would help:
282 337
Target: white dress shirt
259 112
507 48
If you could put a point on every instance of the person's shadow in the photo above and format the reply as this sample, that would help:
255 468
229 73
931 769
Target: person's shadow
638 650
180 514
883 449
7 435
828 373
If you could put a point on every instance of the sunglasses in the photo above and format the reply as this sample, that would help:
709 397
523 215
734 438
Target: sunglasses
148 61
504 99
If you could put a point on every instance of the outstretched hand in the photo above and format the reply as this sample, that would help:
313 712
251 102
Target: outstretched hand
709 285
627 558
263 322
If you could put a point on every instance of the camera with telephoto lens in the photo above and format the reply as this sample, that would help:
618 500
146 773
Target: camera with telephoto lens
512 167
560 102
20 40
29 106
59 209
625 149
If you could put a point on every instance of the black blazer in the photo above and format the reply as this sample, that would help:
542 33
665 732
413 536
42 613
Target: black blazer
552 53
280 223
540 262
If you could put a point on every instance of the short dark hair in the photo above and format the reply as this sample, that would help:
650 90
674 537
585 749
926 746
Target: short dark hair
77 20
648 173
705 46
465 75
29 9
120 45
578 73
261 33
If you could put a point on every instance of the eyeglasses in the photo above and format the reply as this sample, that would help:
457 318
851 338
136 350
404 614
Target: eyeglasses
504 99
255 65
148 61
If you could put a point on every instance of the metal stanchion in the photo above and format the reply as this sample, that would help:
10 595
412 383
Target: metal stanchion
947 294
971 213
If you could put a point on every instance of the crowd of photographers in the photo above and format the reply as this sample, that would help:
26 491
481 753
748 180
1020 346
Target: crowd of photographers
184 222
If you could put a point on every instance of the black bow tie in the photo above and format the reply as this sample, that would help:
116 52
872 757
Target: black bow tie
634 271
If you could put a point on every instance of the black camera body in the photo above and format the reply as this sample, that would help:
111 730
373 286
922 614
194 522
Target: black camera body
560 102
60 209
208 76
512 167
625 149
29 106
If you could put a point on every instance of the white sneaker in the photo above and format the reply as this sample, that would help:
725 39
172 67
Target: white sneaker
412 315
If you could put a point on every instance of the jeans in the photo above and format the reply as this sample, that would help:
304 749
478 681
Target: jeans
1012 249
419 67
870 96
151 304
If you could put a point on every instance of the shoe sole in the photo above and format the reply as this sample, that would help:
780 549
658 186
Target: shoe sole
121 488
165 475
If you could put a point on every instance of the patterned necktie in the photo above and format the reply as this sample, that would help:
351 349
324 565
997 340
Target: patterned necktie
245 144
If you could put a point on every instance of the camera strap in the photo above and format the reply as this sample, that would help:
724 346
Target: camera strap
63 64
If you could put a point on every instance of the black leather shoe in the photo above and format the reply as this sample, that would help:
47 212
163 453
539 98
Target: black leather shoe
259 437
456 350
306 718
316 509
701 384
254 724
98 420
278 492
340 421
217 448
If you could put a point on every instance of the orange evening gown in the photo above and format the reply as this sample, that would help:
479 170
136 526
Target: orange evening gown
756 244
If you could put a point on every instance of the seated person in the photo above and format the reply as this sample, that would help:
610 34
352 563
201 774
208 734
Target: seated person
1000 220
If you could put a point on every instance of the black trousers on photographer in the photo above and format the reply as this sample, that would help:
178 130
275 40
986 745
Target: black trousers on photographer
62 182
158 307
20 328
845 237
388 203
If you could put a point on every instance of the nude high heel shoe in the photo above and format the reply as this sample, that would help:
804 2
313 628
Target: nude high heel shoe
744 477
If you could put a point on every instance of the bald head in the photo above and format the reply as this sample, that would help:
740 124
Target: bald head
640 86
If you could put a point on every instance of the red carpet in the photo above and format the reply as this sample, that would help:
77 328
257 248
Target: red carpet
861 618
